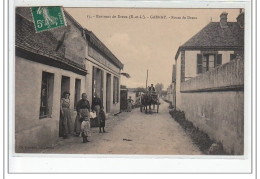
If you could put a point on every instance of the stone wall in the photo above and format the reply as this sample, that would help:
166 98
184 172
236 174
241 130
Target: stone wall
214 102
229 75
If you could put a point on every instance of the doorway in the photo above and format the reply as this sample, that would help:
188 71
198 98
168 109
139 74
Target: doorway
65 86
108 92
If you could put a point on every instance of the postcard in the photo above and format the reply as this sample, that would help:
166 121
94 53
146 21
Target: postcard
131 82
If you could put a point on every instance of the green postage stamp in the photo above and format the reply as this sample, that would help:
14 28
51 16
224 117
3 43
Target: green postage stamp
46 18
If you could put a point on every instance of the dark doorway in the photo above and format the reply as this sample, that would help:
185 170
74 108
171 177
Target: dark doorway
65 86
108 92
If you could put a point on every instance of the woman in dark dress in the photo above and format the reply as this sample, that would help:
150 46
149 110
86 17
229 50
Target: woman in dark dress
65 115
102 118
82 122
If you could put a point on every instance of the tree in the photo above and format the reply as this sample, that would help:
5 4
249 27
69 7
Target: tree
140 89
159 87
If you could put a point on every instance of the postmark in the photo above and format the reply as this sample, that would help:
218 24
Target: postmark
46 18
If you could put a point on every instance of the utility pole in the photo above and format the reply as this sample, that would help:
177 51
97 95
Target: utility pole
146 79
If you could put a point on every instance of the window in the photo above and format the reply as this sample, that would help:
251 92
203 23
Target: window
207 62
77 92
219 60
46 95
199 63
232 56
115 90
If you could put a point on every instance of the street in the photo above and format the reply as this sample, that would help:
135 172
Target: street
133 133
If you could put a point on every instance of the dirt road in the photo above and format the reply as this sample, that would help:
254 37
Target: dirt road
133 133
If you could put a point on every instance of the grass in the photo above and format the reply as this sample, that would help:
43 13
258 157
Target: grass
200 138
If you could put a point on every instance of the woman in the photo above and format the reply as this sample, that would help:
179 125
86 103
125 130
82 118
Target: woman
129 104
96 106
65 115
82 122
102 119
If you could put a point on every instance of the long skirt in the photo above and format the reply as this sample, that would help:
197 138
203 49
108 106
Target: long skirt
85 125
66 122
97 109
77 125
129 107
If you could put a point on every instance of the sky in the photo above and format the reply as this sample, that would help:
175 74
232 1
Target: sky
146 44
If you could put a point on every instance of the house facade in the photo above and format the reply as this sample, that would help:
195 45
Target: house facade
216 44
210 82
104 73
46 65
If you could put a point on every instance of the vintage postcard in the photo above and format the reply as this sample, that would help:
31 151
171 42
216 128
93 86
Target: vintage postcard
130 81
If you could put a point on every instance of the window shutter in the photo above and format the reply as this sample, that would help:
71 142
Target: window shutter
232 56
219 59
199 63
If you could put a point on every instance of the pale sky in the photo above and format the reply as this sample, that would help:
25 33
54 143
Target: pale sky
142 44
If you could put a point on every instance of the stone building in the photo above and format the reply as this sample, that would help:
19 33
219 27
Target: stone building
104 73
210 81
51 62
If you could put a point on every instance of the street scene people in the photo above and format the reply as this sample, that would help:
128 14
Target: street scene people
83 108
129 104
65 115
102 120
96 106
147 91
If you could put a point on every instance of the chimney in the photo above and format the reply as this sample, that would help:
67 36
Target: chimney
223 20
240 18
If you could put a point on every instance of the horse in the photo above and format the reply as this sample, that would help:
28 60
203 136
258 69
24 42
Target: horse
146 100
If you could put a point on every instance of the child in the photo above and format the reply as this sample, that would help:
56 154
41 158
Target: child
102 119
85 125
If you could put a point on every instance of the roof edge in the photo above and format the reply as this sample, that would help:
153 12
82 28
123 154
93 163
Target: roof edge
207 48
113 58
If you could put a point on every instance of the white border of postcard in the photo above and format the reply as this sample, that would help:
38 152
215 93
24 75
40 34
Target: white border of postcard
55 163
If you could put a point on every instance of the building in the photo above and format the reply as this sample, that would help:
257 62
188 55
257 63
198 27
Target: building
171 94
216 44
209 81
48 63
104 73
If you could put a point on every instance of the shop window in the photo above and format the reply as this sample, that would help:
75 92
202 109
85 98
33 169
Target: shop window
115 90
46 95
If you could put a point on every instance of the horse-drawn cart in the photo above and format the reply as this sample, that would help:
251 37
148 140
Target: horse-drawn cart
149 99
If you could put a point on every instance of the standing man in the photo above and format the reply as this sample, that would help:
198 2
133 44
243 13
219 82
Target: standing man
96 106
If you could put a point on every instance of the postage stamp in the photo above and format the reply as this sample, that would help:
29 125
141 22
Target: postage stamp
46 18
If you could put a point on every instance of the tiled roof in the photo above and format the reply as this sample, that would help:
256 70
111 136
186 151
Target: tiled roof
44 42
214 36
91 36
102 47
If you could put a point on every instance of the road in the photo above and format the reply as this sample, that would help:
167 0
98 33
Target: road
133 133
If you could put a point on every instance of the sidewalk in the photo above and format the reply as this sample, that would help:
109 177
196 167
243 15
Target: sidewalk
111 122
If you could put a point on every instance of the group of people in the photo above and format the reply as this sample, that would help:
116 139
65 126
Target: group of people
82 121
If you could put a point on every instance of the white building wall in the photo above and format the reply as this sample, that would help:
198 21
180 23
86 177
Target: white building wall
178 81
225 56
30 131
101 64
191 64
